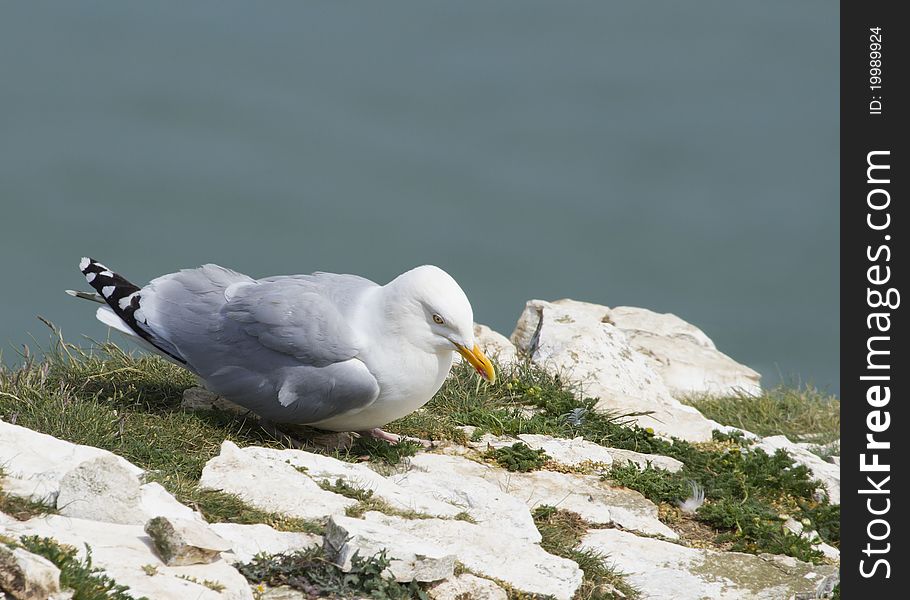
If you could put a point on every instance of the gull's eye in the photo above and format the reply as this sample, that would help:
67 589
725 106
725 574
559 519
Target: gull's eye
438 320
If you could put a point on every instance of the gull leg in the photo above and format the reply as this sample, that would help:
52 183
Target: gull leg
393 438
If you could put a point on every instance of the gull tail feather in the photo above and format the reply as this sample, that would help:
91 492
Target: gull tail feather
86 296
123 299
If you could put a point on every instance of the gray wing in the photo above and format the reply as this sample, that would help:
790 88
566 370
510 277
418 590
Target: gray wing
294 317
280 346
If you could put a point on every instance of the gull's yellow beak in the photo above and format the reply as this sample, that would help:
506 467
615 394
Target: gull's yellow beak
479 361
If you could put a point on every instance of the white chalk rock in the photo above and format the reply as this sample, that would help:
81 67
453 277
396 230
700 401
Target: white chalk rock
122 551
828 550
101 489
35 463
411 558
667 571
270 485
181 542
247 541
579 341
319 467
27 576
462 483
686 359
827 473
467 586
487 551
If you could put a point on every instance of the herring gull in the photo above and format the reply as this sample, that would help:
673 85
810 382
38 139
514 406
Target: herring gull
337 352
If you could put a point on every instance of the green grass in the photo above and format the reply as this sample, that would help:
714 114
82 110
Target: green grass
312 573
561 531
802 413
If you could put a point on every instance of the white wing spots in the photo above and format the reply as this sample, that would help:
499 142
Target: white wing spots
105 273
90 277
84 263
107 290
140 316
286 395
126 300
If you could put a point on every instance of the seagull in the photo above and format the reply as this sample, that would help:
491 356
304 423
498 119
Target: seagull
336 352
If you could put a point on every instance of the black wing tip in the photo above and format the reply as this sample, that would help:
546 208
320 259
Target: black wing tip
86 264
121 296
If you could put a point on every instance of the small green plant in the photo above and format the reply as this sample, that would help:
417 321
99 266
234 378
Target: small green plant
654 484
86 581
733 437
345 489
382 451
150 570
310 572
464 516
519 457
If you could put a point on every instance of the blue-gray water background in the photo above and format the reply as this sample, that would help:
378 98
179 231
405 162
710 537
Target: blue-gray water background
680 156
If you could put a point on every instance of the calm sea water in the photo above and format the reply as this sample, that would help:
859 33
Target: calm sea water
676 156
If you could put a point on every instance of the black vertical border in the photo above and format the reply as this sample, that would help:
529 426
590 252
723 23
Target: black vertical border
861 133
